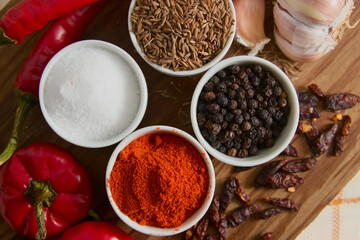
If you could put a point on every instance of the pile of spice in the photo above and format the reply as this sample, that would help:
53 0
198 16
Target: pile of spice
182 35
159 180
92 93
242 109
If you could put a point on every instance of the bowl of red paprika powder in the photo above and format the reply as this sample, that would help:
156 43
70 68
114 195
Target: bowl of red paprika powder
160 180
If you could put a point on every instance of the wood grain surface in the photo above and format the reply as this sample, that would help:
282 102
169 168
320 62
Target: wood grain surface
339 71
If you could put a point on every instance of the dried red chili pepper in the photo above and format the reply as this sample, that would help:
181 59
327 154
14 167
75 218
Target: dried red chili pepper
325 140
308 98
314 88
223 227
227 193
214 215
266 236
340 136
211 237
201 229
269 213
242 169
283 202
270 169
29 16
312 136
241 193
341 101
290 151
241 214
299 165
61 33
308 112
284 180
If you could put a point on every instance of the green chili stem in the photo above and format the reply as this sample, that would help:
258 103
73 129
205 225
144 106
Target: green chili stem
40 195
26 102
94 215
4 39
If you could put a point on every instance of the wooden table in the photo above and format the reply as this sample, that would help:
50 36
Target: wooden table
339 71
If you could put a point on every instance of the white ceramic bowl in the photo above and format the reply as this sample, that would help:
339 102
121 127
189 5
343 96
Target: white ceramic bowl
190 221
287 133
187 72
128 62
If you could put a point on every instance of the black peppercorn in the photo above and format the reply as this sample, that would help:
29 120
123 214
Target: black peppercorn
201 107
209 86
255 81
210 96
234 69
222 101
236 112
259 97
246 116
214 129
271 110
268 121
213 108
215 79
229 117
221 87
279 115
246 126
282 102
231 94
217 117
223 111
242 75
270 81
221 74
240 95
262 114
201 119
247 143
253 150
229 135
242 153
216 144
224 125
222 149
232 79
250 92
232 104
254 121
232 152
264 104
273 102
212 138
257 68
234 127
268 92
277 91
251 111
269 142
229 144
239 119
252 103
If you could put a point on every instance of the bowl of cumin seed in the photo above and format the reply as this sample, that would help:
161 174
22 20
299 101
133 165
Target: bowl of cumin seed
182 38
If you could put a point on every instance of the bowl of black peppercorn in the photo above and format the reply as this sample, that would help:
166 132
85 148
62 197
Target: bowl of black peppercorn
244 111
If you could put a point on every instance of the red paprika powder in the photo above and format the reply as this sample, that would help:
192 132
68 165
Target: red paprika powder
159 180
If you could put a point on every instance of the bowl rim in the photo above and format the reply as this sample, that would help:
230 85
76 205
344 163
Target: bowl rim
197 215
184 73
139 76
292 122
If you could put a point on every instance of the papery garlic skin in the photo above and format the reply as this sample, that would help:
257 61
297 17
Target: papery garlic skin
313 12
250 15
303 40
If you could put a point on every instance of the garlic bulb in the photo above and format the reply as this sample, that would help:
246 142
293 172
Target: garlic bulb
305 30
250 32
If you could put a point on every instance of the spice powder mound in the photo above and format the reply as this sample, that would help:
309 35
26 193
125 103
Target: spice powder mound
159 180
182 34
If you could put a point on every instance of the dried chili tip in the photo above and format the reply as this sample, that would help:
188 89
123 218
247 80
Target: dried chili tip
341 101
241 193
299 165
214 215
227 193
303 127
269 213
223 227
323 143
201 229
340 136
283 202
337 117
190 232
241 214
314 88
291 189
266 236
290 151
266 172
284 180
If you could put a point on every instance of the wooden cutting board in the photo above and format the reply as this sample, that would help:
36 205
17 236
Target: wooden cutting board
339 71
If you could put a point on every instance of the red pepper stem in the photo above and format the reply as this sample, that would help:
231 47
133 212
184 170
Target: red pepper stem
4 39
26 102
40 195
94 215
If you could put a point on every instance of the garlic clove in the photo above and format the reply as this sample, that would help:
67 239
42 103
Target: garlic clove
295 53
250 15
297 33
313 12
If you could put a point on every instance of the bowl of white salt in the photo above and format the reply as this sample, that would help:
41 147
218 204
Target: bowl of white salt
93 94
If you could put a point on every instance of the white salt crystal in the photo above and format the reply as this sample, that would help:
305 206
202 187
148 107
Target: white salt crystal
92 94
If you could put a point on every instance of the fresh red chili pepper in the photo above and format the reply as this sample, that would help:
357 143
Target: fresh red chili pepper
29 16
43 191
61 33
95 231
